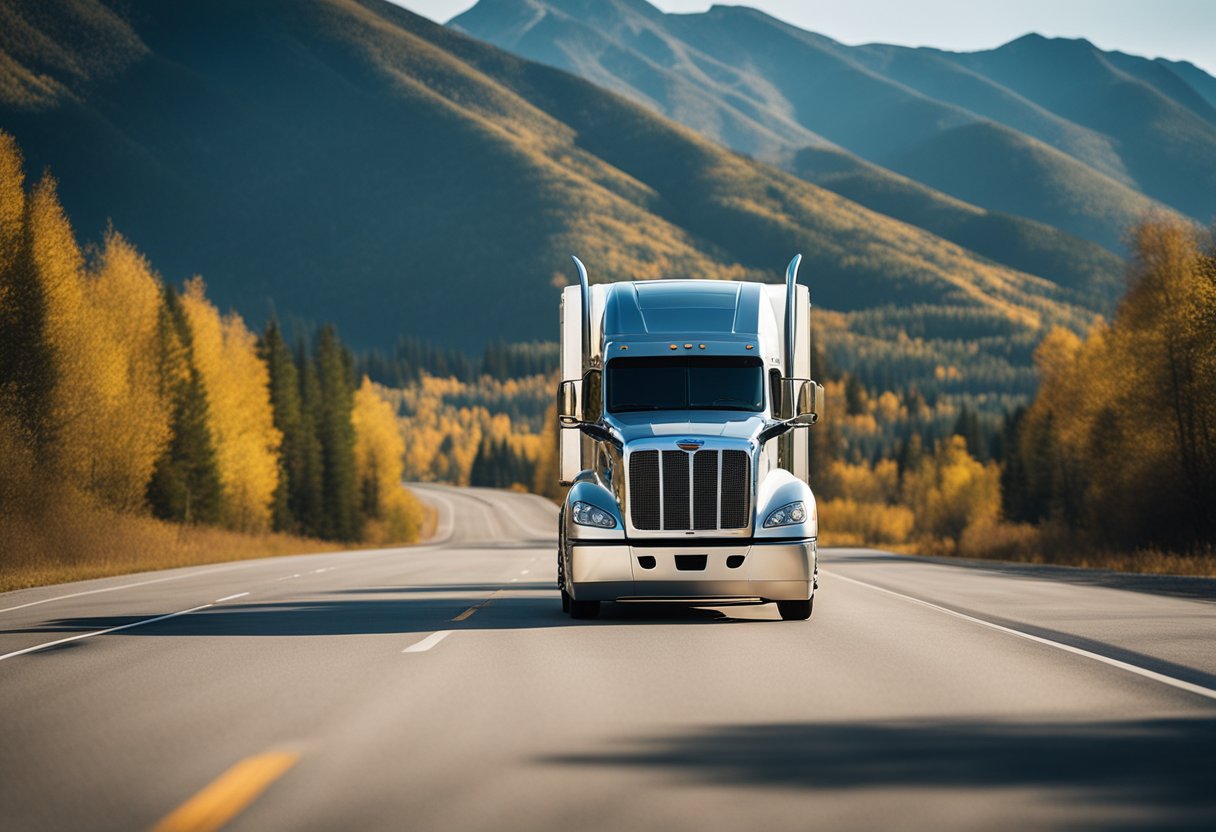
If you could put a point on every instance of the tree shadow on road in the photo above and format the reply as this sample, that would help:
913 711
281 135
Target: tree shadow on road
1165 766
407 610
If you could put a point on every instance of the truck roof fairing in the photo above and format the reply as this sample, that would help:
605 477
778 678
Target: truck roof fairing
721 311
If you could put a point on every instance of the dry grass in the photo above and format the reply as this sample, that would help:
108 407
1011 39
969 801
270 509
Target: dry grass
80 542
1022 543
74 547
847 522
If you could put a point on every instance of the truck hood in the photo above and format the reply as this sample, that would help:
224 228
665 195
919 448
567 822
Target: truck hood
679 423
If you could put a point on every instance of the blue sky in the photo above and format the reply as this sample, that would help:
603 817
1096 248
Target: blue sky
1178 29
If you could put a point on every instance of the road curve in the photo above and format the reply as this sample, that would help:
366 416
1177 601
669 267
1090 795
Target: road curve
440 687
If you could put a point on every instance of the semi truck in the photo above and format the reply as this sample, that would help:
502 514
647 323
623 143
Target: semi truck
682 408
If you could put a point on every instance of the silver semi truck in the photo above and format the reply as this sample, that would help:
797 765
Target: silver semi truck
681 412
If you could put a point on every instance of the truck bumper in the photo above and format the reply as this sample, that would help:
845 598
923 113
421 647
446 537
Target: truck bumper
752 572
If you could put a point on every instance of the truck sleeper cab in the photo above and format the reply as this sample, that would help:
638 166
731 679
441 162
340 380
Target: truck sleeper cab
680 439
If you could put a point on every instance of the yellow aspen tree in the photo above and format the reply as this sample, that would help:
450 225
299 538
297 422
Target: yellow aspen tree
393 514
132 427
87 365
951 490
237 384
25 366
12 204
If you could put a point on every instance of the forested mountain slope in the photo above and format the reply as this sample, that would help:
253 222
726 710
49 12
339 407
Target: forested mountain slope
352 162
1053 130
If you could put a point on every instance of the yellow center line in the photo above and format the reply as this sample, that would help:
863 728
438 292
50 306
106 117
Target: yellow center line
229 794
468 612
476 607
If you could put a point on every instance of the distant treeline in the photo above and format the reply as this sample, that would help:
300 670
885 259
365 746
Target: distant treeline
1116 452
121 392
411 357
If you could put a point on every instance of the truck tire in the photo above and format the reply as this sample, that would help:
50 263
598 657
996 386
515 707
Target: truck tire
796 610
561 561
584 609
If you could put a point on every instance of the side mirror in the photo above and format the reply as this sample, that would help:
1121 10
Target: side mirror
801 401
809 402
569 414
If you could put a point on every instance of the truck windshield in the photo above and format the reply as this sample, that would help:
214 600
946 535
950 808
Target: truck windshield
685 383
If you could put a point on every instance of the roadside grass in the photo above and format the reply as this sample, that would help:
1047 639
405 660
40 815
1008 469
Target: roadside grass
74 541
1023 543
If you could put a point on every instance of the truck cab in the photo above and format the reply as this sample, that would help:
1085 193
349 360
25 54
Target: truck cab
682 411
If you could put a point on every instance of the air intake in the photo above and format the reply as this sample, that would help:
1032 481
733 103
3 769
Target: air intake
708 490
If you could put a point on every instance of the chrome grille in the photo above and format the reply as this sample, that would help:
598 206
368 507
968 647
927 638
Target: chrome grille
736 488
679 491
644 489
705 490
675 490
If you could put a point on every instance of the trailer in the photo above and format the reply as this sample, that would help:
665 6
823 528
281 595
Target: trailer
682 411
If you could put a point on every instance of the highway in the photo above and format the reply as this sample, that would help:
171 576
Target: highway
439 687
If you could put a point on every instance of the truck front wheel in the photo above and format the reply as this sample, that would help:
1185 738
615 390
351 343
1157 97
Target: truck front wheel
561 562
796 610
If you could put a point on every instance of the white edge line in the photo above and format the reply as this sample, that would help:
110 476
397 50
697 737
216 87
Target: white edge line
191 574
202 571
231 597
79 636
1190 687
426 644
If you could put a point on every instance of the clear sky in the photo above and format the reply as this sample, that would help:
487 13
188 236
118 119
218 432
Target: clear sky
1178 29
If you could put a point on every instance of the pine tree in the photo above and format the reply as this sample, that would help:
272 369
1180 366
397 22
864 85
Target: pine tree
285 400
341 516
480 474
854 396
308 497
968 426
185 482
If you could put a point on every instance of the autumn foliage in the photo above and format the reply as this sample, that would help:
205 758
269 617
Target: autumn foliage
1120 443
120 395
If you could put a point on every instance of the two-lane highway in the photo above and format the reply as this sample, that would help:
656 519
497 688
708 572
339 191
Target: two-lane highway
440 687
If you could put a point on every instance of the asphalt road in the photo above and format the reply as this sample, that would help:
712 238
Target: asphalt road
439 687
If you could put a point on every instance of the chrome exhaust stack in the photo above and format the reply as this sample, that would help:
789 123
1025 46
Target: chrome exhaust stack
586 312
791 294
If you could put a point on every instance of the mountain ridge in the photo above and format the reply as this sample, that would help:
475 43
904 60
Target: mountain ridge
348 161
881 101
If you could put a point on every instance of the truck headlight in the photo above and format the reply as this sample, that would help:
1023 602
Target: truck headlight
586 514
788 515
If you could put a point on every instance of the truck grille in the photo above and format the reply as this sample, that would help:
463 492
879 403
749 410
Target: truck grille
679 491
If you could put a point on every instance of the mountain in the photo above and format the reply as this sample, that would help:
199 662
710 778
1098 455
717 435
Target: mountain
1026 245
1088 140
352 162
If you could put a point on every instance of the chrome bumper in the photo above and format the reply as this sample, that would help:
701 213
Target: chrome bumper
750 572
